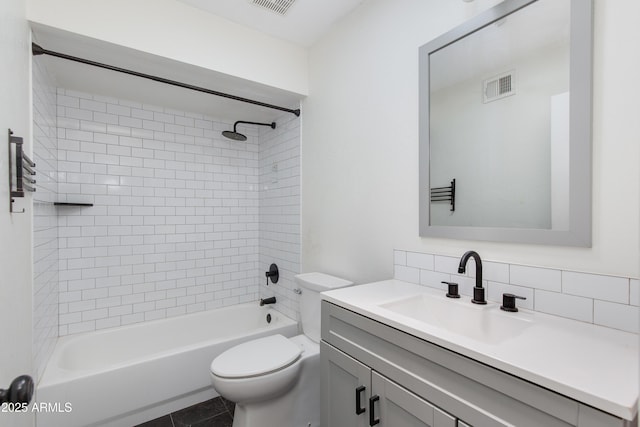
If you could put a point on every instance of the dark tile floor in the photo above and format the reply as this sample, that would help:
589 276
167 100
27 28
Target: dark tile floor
217 412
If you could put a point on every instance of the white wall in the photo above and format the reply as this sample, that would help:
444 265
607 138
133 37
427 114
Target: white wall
559 160
180 32
45 216
360 145
15 229
500 160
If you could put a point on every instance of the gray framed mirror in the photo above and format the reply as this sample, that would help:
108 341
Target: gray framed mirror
505 126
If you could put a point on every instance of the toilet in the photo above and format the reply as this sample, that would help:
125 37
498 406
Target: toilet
275 381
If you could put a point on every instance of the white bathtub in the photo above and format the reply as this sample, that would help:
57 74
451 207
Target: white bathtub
128 375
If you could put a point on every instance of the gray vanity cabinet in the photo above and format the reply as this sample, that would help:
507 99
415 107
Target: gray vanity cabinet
346 388
416 383
354 395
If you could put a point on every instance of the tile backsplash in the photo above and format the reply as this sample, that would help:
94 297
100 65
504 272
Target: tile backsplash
600 299
175 223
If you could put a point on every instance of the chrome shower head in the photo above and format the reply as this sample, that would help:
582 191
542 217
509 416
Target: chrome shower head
236 136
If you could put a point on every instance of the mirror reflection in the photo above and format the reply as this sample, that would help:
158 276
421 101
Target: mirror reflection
499 123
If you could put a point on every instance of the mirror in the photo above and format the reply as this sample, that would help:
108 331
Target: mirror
505 126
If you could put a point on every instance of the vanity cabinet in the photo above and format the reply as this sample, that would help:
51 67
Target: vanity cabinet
346 389
371 372
358 396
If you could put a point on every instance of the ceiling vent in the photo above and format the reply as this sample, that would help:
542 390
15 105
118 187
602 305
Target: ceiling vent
276 6
499 87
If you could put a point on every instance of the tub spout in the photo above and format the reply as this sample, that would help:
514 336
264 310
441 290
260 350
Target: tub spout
271 300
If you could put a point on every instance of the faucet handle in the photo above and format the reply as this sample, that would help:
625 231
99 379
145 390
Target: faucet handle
509 302
272 274
452 291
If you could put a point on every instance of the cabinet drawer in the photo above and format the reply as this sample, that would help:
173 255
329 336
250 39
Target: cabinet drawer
400 407
477 393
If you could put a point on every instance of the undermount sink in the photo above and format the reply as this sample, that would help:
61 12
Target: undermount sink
485 323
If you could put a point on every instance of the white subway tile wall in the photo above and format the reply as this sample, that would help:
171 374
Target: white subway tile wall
634 292
535 277
45 222
422 261
606 288
175 225
600 299
559 304
280 211
614 315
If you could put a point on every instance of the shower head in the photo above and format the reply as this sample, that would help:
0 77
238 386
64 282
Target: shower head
236 136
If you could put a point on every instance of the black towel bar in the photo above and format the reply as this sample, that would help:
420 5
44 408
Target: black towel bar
445 194
25 170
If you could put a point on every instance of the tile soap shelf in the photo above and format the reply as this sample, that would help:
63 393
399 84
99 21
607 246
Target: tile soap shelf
24 171
71 204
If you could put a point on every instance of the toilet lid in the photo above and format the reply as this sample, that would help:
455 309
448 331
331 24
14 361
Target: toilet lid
256 357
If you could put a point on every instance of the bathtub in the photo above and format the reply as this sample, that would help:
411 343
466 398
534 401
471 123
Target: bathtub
132 374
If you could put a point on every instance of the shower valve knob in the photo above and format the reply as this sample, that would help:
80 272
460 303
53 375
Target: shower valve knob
272 274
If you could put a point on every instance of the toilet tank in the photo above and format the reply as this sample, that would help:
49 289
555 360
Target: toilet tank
311 284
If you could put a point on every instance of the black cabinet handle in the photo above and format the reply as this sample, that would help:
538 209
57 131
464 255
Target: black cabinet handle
359 408
372 419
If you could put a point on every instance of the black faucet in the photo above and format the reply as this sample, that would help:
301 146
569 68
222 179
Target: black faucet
270 300
478 290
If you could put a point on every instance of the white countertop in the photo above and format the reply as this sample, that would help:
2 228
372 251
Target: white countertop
591 364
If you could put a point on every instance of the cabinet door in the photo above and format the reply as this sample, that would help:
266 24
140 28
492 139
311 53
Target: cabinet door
395 406
345 389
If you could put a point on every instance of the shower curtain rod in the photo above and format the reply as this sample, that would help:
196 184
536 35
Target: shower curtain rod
38 50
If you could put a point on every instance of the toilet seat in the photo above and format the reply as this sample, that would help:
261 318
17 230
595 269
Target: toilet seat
255 358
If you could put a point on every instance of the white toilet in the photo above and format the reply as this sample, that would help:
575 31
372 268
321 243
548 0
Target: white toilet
275 381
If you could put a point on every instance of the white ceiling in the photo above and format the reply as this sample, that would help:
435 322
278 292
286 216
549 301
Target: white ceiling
98 81
303 24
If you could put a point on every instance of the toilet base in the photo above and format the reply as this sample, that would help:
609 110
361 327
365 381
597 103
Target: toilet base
264 414
298 407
